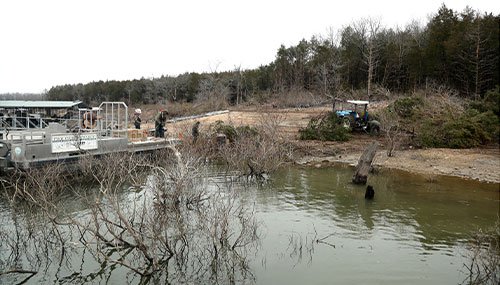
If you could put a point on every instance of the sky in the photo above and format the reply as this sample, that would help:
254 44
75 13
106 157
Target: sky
44 43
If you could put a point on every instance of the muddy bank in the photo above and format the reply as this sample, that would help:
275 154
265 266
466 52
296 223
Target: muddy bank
476 164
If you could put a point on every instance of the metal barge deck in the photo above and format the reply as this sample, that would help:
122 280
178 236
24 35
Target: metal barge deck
40 132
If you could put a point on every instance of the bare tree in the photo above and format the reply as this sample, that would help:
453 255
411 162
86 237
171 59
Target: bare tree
395 72
368 30
34 236
153 215
214 92
391 127
483 252
237 84
255 152
329 72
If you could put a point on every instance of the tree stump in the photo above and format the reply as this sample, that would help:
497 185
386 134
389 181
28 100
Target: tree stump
364 164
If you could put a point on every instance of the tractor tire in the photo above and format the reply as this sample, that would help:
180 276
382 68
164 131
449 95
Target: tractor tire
374 128
375 131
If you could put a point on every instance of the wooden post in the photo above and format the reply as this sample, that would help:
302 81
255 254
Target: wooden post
364 164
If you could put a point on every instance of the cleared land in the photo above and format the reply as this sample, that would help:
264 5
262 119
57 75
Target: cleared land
481 164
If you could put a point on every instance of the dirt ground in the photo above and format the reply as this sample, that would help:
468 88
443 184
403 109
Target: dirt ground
482 164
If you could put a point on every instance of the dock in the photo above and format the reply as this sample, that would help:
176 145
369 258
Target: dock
36 133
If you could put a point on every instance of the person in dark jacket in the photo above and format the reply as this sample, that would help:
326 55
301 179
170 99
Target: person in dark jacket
137 119
195 131
160 121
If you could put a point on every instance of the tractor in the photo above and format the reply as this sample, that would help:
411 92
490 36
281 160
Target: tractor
354 116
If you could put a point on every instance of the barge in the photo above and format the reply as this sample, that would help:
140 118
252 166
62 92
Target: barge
35 133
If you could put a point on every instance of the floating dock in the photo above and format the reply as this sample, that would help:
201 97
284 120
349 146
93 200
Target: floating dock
35 133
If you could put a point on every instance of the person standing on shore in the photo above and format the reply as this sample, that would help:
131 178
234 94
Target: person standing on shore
195 131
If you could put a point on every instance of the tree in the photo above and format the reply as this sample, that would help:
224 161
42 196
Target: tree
173 229
214 91
325 64
478 56
368 31
438 60
415 57
393 68
351 58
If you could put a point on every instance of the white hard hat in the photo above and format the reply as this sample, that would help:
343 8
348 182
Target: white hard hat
138 111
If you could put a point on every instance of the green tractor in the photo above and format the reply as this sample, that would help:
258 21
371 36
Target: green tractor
354 116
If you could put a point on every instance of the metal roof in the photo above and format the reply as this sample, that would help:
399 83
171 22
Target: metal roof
37 104
358 102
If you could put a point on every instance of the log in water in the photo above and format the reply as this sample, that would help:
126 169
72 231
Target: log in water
365 164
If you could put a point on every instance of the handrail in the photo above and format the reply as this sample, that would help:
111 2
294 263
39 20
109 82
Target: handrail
109 119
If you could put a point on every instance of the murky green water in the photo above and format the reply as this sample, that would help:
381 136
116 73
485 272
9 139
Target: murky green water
317 228
411 233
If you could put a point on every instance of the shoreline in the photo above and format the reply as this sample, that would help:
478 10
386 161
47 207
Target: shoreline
481 165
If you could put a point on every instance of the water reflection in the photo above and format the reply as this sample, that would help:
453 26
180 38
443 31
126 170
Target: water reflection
438 212
410 233
316 228
173 229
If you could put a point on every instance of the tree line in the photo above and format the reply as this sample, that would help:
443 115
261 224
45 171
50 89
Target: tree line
457 49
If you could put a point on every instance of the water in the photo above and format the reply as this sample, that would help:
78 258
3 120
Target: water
411 233
317 228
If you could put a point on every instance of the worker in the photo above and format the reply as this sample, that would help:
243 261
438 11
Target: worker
89 120
137 118
160 120
195 131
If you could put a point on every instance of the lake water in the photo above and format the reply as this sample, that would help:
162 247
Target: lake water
411 233
317 228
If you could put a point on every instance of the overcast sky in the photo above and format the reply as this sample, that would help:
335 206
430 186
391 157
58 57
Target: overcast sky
44 43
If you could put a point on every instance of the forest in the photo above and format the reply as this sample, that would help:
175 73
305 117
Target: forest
459 50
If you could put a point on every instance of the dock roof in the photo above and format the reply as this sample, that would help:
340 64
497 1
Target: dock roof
38 104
